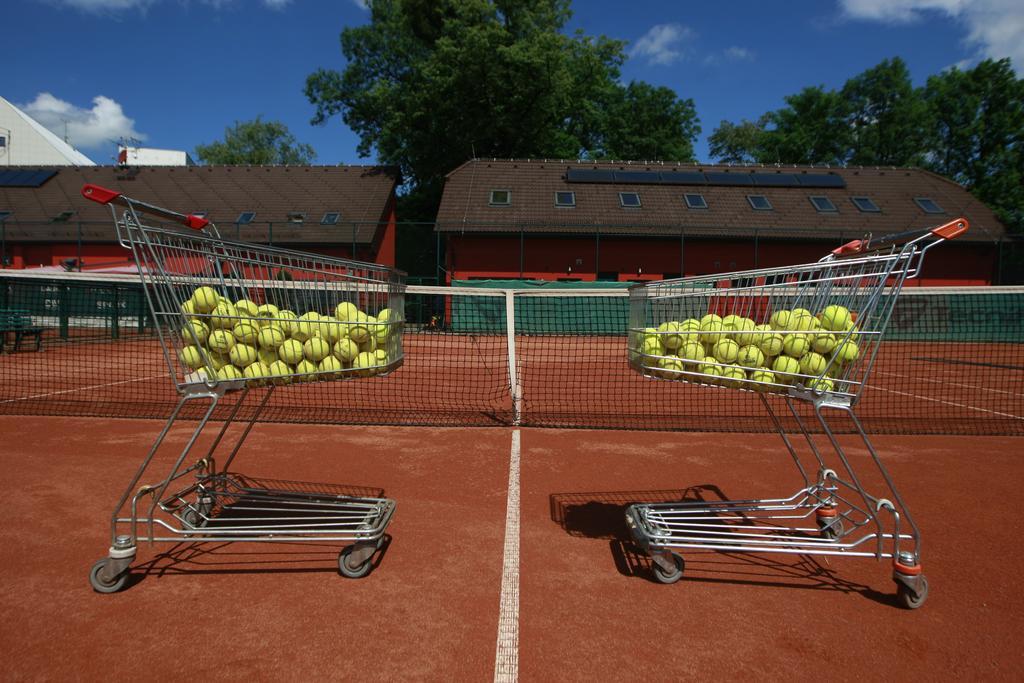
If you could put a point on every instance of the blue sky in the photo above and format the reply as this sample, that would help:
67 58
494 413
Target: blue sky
175 73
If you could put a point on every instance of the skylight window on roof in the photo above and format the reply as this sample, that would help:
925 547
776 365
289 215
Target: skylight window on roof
565 199
865 204
695 201
629 200
330 218
928 205
501 198
245 217
63 217
296 217
758 202
823 204
4 215
200 214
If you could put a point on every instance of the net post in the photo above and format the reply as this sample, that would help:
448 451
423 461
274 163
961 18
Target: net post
513 376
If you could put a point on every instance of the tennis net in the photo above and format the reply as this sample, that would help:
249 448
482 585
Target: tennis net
952 363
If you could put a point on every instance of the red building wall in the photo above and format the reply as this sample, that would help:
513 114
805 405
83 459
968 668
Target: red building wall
624 259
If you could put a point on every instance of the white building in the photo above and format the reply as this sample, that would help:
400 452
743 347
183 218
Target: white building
148 156
26 142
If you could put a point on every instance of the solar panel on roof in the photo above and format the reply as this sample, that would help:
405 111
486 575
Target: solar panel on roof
21 177
729 178
775 180
821 180
683 178
587 175
638 177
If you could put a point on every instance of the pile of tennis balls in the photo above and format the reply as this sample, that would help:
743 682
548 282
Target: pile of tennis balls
792 347
265 344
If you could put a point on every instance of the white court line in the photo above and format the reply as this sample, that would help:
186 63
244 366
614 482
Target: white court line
948 403
940 381
506 660
71 391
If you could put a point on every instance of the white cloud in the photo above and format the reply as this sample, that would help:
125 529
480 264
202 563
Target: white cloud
737 54
86 128
663 44
995 28
362 4
277 4
106 5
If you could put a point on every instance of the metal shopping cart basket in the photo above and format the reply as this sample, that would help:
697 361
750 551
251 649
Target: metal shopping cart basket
808 333
237 317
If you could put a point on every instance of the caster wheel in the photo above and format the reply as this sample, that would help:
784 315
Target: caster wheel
908 599
192 518
831 530
672 576
353 571
101 586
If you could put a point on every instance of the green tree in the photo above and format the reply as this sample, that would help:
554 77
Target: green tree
979 136
812 129
429 84
738 143
256 142
888 118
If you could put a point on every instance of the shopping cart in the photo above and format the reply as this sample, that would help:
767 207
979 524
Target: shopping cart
237 317
804 334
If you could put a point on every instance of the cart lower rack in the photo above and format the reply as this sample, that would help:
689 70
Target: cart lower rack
228 319
803 335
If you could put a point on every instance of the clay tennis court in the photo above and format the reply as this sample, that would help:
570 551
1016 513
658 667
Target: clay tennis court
434 606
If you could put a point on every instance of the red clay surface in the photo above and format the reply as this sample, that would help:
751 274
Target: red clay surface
588 607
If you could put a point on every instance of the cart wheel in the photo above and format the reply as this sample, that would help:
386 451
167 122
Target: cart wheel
672 576
353 572
99 585
908 598
831 531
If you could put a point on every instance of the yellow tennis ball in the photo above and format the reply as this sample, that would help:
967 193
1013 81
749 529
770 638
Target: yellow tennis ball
711 329
221 341
291 351
381 356
246 332
652 346
779 321
364 364
224 316
191 357
802 321
387 323
267 356
725 350
771 344
824 343
316 349
670 367
256 373
711 370
692 351
268 312
369 345
670 337
763 379
246 308
306 371
785 367
195 332
345 311
823 384
795 345
346 350
750 356
733 376
847 352
330 365
306 326
287 320
835 318
270 337
218 360
360 331
205 299
228 372
243 355
280 372
813 364
331 329
744 332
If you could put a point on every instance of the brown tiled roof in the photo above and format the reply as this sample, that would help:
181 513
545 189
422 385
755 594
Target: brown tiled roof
465 206
359 193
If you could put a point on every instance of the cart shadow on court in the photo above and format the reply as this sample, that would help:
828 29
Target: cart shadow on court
602 516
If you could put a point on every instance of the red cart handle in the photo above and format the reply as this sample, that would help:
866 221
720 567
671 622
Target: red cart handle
947 231
103 195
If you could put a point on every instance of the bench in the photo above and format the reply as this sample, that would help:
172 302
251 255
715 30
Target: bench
20 323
